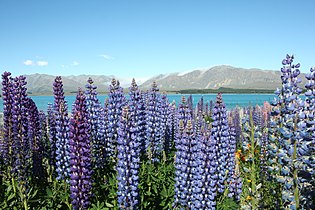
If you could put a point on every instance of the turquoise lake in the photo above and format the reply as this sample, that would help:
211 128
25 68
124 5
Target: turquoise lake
231 100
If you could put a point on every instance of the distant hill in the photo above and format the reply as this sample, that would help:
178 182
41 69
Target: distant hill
213 78
41 84
216 77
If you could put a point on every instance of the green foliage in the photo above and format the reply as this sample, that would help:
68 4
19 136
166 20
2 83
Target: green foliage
228 204
105 187
157 184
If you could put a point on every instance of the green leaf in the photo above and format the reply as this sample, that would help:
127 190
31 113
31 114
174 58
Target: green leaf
10 196
109 205
49 192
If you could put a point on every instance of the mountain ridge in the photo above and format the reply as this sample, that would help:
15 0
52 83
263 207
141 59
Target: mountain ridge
216 77
207 78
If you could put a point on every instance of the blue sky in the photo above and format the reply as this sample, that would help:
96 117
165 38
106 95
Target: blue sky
144 38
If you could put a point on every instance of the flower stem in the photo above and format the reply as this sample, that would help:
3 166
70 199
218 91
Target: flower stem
253 168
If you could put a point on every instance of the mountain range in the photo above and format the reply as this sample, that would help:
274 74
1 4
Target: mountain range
216 77
212 78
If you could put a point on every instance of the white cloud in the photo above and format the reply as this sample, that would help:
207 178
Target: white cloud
35 63
75 63
107 57
28 63
41 63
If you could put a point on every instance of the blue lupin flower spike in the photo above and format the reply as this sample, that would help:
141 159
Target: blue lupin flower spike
62 131
128 163
220 134
96 121
116 101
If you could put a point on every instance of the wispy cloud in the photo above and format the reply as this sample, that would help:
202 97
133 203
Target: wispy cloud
42 63
75 63
107 57
28 63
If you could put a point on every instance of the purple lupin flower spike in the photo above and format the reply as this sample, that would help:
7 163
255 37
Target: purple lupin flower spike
153 144
43 120
183 112
137 108
52 130
237 123
34 136
197 162
104 126
62 131
220 134
21 152
190 105
96 121
180 159
170 128
185 165
204 180
80 155
6 142
128 160
258 117
200 108
233 177
207 109
163 126
116 101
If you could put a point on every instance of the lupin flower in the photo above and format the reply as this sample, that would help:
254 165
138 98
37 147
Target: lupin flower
43 121
80 155
236 123
257 117
104 126
163 126
200 108
153 143
136 106
34 136
207 109
183 115
207 176
306 150
97 133
220 134
116 101
211 104
170 127
21 152
179 161
288 137
52 130
6 142
264 156
234 180
128 162
185 165
183 111
62 131
203 174
190 104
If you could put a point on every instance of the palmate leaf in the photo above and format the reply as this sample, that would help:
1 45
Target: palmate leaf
228 204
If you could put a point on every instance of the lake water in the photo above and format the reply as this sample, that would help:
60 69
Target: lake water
231 100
